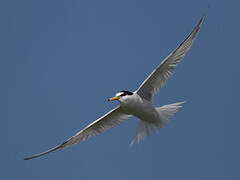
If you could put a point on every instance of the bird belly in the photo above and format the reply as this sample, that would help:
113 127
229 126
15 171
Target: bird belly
142 110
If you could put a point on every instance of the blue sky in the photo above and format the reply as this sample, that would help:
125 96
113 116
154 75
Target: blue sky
61 60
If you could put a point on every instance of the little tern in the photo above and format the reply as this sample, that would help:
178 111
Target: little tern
138 103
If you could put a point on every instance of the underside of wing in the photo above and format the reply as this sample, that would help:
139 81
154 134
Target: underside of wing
109 120
160 75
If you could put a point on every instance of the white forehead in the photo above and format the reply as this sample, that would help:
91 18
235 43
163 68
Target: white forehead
119 93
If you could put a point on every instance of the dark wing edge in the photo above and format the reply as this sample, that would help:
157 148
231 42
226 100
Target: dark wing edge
109 120
169 63
48 151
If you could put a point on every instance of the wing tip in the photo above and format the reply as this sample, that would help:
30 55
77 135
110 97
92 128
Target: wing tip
28 158
197 27
202 18
36 155
48 151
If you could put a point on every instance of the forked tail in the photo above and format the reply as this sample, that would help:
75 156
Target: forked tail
145 128
167 111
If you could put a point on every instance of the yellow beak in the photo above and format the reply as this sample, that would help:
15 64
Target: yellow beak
113 98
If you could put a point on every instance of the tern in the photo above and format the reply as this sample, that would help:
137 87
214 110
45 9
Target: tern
138 103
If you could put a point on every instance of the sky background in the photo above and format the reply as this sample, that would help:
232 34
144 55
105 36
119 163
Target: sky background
61 60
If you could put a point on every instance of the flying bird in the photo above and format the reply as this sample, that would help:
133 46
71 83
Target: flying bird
138 103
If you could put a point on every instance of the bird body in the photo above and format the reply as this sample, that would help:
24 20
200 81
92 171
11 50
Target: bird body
139 107
138 103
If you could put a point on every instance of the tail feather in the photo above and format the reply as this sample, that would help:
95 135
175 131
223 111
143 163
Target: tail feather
145 128
167 111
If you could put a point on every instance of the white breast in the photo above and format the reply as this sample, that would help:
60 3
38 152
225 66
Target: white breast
139 107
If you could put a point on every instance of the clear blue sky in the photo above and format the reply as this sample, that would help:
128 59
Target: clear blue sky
61 60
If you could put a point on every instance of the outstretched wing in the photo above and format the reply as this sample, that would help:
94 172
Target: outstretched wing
109 120
160 75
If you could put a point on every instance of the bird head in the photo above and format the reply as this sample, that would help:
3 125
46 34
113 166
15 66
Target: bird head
120 95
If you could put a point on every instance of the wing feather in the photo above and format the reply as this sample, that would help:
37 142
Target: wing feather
160 75
109 120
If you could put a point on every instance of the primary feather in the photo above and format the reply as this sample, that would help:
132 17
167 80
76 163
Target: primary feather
109 120
160 75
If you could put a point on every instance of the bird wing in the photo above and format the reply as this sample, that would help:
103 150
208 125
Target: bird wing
109 120
160 75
